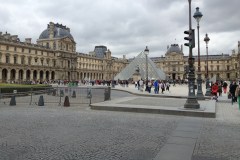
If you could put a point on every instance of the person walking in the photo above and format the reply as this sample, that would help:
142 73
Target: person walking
156 87
220 89
163 87
225 87
168 86
138 84
232 91
149 84
215 91
141 85
237 94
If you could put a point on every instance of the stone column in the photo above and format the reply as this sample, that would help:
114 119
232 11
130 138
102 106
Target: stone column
31 75
0 75
17 76
38 75
24 75
8 75
44 75
50 75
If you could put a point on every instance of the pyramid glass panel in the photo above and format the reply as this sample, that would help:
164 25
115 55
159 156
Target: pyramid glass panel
140 62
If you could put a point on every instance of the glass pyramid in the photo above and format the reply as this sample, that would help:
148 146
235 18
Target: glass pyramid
140 63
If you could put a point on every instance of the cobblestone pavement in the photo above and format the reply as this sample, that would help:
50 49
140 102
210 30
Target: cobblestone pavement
78 133
50 133
220 137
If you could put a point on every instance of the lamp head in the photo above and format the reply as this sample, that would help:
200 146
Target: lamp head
146 51
206 39
197 15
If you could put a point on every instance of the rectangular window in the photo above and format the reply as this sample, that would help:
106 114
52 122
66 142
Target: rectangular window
228 75
35 60
42 62
22 60
228 68
22 49
29 51
15 60
68 64
7 59
29 61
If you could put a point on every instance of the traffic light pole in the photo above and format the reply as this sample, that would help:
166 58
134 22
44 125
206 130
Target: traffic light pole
199 79
191 102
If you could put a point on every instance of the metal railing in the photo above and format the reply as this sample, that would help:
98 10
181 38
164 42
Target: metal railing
54 95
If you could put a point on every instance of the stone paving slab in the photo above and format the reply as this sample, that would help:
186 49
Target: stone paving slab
172 106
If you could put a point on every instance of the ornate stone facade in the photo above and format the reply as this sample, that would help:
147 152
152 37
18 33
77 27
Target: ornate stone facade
223 66
54 57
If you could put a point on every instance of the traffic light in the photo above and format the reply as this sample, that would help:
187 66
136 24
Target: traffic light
190 38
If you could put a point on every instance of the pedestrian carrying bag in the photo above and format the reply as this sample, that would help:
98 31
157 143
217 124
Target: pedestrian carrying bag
229 95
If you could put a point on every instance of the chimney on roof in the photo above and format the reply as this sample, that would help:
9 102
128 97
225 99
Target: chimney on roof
167 47
28 40
181 48
238 47
124 56
51 30
14 37
6 35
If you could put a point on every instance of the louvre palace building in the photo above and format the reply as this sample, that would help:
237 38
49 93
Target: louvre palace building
54 57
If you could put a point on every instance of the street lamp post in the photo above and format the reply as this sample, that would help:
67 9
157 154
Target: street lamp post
146 52
208 90
238 60
198 15
191 102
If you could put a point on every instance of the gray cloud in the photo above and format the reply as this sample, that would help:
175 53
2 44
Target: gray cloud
126 27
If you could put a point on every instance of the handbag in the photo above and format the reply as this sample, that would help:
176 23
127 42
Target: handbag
229 95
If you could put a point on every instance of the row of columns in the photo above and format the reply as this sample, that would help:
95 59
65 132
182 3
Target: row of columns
90 76
19 74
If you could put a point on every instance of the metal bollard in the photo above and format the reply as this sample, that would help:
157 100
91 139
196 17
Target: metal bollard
41 101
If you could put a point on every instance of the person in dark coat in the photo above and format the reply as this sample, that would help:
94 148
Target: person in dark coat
232 91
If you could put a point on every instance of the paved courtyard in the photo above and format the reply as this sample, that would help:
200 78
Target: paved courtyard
79 133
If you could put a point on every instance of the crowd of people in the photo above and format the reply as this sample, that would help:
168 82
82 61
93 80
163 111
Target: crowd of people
157 85
218 88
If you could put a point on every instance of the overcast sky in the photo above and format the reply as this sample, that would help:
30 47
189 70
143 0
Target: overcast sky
126 26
